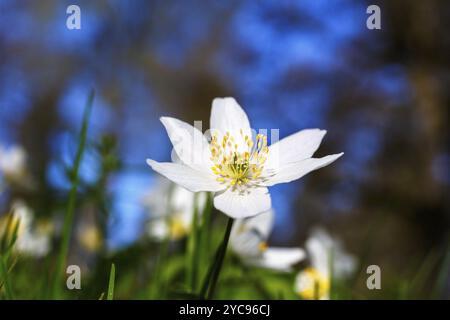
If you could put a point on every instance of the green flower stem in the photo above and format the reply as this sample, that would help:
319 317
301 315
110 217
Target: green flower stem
196 243
219 261
68 219
205 237
205 285
158 286
193 252
331 273
206 229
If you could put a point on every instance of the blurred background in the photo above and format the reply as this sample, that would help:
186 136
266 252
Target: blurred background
382 95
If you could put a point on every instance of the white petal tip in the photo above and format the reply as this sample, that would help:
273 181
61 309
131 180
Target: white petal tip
150 162
223 98
164 119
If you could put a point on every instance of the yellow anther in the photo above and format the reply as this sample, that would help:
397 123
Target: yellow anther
234 166
262 246
313 284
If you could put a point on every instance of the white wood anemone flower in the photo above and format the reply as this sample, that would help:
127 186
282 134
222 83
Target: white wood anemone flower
171 209
314 281
235 165
248 241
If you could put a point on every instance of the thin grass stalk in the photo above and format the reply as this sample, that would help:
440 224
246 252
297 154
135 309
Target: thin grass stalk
112 279
71 204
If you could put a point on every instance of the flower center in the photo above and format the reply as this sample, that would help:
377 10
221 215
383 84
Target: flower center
262 246
313 284
91 239
238 161
177 228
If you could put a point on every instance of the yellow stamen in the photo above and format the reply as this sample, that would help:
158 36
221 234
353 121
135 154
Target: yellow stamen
262 246
313 284
238 166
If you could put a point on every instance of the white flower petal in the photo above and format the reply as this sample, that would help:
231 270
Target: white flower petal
156 199
245 244
319 251
243 204
13 163
184 202
294 148
33 244
157 229
248 234
189 143
281 259
262 223
25 215
298 169
227 115
320 245
185 176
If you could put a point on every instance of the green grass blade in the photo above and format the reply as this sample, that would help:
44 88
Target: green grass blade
331 255
9 238
112 278
443 275
5 278
8 241
423 274
71 204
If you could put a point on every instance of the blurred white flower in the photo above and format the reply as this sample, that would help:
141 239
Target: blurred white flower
314 281
12 163
234 164
13 167
31 240
171 209
249 241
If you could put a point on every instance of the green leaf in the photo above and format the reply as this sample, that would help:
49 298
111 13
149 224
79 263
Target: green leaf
112 277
